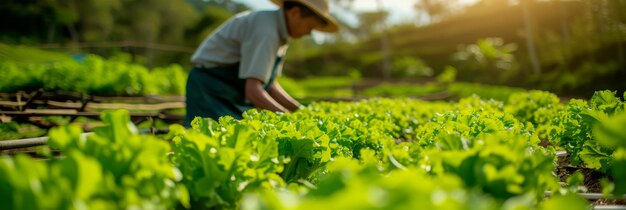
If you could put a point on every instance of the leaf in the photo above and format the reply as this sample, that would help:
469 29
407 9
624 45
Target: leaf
183 196
205 186
576 180
570 202
593 157
606 101
64 136
594 116
612 132
323 142
118 126
267 151
206 126
241 138
451 142
84 172
297 148
227 158
619 171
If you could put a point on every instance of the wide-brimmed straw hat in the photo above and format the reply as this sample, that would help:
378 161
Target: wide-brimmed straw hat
320 7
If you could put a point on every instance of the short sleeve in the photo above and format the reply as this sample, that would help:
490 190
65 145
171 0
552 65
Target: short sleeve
258 54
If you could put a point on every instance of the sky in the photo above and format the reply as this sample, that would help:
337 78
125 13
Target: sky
401 10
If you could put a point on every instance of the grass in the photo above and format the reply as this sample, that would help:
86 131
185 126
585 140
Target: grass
30 55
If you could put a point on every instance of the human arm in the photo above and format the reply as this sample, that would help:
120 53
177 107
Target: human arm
260 98
282 97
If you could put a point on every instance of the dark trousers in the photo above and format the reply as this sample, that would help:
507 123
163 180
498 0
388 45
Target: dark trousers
215 92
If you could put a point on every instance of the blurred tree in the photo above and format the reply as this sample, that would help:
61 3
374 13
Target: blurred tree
448 75
486 60
371 22
406 66
228 5
39 20
435 9
142 23
588 53
150 22
96 19
211 17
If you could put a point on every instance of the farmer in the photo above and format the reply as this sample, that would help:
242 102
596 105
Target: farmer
236 66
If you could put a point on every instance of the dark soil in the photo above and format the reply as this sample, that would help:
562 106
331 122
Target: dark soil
592 179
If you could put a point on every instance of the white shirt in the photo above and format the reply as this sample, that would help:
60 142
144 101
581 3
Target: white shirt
252 39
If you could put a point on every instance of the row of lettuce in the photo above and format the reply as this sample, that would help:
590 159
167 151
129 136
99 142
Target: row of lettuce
92 75
117 76
371 154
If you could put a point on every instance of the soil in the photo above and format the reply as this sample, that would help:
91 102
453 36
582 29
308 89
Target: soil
592 179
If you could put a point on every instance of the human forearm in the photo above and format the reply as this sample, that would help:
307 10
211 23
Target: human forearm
261 98
282 97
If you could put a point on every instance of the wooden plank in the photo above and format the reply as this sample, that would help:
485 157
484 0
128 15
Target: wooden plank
141 98
12 103
71 96
94 115
63 112
75 105
159 106
51 111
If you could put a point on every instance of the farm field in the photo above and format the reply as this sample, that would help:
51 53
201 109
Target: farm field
470 154
382 145
387 105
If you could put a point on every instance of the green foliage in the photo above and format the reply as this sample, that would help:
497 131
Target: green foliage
322 87
410 67
15 79
402 90
435 9
501 171
594 64
349 185
23 55
211 17
328 87
221 164
169 80
94 75
487 58
540 108
292 87
448 75
495 92
576 133
537 107
567 66
576 182
374 154
13 130
619 171
569 201
327 82
611 133
114 168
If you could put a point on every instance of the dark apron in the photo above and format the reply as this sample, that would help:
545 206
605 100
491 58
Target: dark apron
218 91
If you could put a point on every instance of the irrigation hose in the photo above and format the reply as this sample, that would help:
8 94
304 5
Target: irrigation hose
32 142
